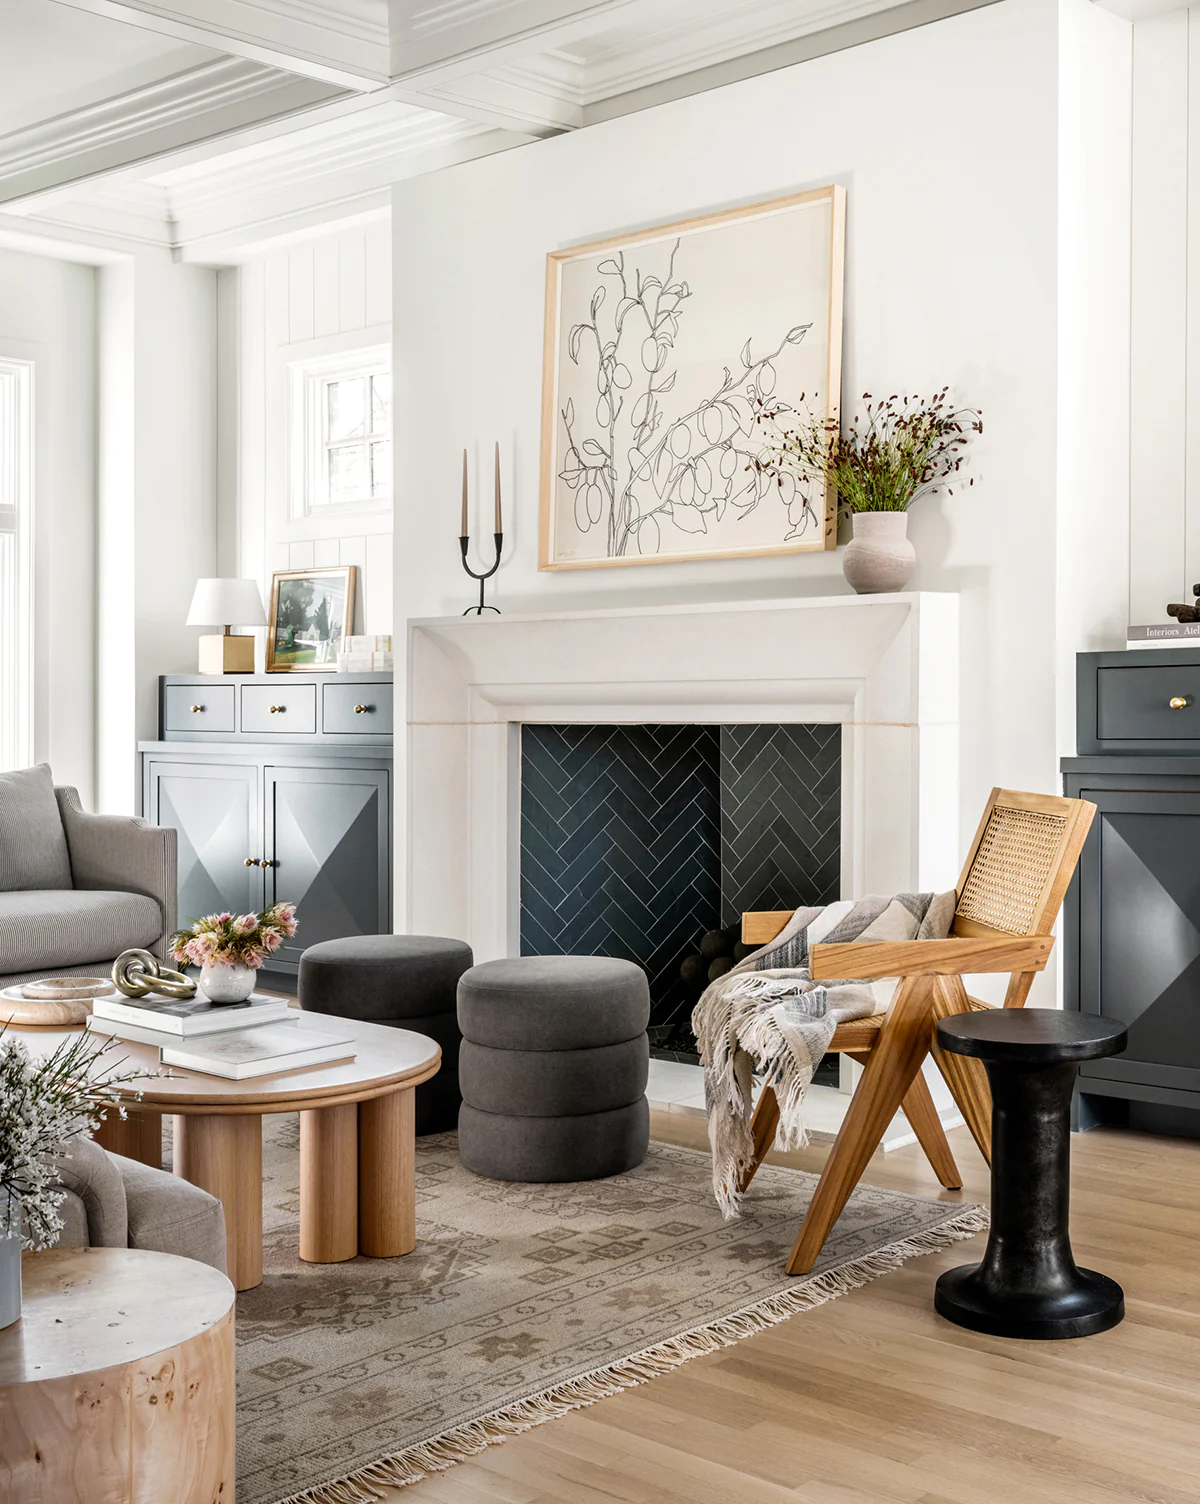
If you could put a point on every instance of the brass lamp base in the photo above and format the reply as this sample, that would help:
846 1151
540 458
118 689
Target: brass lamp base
223 653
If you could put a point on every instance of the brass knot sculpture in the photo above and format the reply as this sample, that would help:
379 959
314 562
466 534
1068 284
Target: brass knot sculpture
137 973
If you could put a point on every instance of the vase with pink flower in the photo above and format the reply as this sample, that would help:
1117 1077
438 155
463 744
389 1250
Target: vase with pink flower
230 948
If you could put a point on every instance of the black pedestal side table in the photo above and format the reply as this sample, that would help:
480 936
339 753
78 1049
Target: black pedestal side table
1028 1284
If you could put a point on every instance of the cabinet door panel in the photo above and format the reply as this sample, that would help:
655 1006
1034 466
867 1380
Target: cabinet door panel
329 837
1139 900
215 809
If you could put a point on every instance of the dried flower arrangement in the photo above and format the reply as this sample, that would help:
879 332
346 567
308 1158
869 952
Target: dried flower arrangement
899 449
235 939
44 1105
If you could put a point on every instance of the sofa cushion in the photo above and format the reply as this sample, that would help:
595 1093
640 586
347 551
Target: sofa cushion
33 846
66 928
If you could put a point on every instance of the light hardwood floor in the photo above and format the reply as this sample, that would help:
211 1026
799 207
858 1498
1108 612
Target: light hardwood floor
874 1398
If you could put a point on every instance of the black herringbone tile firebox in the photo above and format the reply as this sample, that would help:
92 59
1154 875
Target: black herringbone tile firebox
635 840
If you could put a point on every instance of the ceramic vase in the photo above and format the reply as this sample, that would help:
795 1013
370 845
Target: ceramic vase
10 1260
226 984
879 557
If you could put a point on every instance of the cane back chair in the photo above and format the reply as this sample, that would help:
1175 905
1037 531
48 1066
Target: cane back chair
1008 897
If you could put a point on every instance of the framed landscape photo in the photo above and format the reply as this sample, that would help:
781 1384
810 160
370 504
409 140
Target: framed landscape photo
312 610
662 350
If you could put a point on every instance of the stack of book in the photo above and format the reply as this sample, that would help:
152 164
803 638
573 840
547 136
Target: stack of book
233 1040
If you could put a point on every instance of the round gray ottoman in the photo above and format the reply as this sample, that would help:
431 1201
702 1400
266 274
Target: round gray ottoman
553 1068
408 981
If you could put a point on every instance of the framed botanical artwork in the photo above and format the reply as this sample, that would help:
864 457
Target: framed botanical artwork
312 610
663 351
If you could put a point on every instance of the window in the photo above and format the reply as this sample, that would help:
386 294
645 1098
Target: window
16 506
342 426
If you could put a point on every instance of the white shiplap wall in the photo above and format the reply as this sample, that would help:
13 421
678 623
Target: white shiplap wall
1164 542
306 300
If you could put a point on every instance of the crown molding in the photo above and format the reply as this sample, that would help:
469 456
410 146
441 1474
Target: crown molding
212 100
338 42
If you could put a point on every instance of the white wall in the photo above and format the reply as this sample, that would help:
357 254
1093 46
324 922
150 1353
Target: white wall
47 315
945 138
314 298
1165 396
157 496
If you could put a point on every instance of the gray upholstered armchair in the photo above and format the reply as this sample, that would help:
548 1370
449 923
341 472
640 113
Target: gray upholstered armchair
77 889
113 1202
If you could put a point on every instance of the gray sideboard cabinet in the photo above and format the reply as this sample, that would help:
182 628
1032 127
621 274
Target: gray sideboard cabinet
280 787
1131 922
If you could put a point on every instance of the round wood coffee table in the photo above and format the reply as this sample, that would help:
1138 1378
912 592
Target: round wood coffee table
356 1139
117 1382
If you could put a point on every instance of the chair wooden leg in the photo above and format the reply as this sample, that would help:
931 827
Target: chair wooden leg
762 1125
923 1119
966 1078
887 1076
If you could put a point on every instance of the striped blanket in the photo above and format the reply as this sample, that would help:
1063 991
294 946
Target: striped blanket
768 1016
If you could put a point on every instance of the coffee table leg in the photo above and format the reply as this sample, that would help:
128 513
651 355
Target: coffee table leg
387 1204
138 1136
222 1154
329 1184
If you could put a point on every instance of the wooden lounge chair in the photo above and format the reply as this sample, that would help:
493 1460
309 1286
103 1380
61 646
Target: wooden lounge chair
1009 895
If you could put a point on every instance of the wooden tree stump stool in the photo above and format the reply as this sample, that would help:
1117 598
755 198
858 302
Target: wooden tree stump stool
1028 1284
117 1382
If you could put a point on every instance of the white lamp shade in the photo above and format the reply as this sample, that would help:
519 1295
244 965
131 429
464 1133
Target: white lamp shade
226 603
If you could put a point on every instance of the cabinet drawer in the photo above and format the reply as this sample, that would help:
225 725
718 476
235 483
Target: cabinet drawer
286 709
356 709
1134 704
199 707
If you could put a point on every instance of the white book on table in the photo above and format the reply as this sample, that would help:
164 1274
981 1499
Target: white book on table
257 1052
191 1016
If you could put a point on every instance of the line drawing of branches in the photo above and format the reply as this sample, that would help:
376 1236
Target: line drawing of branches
690 469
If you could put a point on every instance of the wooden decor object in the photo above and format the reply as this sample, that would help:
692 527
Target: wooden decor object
42 1012
117 1383
1009 894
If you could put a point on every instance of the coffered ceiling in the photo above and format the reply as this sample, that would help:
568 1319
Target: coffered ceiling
211 127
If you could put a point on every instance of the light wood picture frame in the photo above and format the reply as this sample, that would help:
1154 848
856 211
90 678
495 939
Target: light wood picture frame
659 347
312 612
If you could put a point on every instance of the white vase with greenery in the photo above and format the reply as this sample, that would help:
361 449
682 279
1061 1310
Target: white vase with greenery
44 1105
897 450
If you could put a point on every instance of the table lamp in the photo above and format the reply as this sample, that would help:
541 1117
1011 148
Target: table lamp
219 603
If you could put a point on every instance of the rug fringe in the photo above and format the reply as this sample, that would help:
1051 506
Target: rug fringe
440 1453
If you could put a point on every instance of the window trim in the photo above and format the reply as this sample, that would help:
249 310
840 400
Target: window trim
306 383
17 437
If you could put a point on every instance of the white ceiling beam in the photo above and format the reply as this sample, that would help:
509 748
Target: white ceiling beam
297 37
430 36
137 128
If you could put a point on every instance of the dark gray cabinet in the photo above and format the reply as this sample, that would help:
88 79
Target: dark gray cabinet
302 814
1131 922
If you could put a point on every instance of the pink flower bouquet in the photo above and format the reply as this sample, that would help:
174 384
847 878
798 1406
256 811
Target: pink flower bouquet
234 939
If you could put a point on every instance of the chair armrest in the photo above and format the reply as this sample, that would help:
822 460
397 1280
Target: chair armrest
93 1176
120 853
914 958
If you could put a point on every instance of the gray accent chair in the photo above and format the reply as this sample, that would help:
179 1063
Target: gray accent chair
113 1202
77 889
553 1068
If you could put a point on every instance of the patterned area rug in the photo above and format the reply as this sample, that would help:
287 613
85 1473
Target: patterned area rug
521 1302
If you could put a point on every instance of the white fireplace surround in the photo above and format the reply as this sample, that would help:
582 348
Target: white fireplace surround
885 667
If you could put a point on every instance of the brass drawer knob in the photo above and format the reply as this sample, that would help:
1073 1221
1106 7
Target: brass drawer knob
250 862
264 862
196 709
1179 702
276 709
361 709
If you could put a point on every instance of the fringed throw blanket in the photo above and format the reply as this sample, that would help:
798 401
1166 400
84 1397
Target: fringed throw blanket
768 1016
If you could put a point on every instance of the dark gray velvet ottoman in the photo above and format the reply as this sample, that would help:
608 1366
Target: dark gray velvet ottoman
408 981
553 1068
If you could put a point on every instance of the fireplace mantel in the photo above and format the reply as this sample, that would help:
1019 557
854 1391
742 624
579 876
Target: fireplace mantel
885 667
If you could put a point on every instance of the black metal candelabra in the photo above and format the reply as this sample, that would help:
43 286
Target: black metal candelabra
464 543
